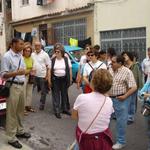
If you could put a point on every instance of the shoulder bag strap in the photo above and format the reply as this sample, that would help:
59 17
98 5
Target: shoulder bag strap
17 69
99 65
90 66
93 119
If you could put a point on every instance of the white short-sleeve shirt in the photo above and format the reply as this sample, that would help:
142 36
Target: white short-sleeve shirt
60 67
87 68
88 106
41 62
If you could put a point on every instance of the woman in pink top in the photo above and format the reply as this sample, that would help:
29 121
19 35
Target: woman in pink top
93 111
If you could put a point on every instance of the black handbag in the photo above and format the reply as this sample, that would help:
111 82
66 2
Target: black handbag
31 79
5 88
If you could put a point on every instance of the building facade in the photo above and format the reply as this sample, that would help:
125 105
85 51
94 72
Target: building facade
5 28
122 24
53 20
2 29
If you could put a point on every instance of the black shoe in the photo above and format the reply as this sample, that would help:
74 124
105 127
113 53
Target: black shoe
58 115
41 107
129 122
66 112
24 135
15 144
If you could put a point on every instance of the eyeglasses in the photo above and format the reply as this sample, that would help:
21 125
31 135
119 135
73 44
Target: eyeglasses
57 51
27 51
91 55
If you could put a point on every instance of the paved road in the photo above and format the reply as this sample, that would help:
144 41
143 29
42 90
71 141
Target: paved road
5 146
49 133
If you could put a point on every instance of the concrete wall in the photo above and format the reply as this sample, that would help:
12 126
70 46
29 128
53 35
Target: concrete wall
89 17
2 35
20 12
2 43
121 14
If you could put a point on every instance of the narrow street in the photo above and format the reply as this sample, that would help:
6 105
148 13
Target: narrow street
49 133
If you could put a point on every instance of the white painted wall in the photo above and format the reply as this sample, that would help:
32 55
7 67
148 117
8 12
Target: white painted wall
121 14
3 36
20 12
3 44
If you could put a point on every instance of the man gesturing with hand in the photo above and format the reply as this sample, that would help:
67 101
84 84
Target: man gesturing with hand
13 70
123 86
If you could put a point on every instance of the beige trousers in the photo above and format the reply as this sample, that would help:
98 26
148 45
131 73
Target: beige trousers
15 112
28 92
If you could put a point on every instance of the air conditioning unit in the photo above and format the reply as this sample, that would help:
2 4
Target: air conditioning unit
44 2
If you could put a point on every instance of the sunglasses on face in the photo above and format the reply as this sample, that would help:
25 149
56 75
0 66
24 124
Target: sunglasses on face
91 55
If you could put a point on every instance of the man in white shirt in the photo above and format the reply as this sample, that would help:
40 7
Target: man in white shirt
146 66
42 67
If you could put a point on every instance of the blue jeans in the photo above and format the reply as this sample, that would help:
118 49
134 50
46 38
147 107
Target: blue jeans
132 106
121 112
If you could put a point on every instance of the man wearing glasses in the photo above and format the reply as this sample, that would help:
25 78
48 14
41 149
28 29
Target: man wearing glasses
123 86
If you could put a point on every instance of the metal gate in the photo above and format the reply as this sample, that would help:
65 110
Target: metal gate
125 40
70 29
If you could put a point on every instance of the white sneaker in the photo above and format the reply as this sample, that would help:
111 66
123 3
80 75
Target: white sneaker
118 146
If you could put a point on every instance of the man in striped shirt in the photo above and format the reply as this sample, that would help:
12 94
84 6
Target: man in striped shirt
123 86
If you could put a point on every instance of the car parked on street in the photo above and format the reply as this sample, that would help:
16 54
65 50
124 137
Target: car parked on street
74 53
2 108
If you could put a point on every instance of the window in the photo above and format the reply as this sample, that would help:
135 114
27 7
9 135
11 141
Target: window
8 4
25 2
69 29
125 40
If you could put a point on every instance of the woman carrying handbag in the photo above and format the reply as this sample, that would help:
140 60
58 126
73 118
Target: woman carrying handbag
93 111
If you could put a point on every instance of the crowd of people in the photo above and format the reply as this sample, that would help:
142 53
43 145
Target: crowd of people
128 77
110 84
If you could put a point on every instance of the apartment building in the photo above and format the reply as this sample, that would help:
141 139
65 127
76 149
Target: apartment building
53 20
122 24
